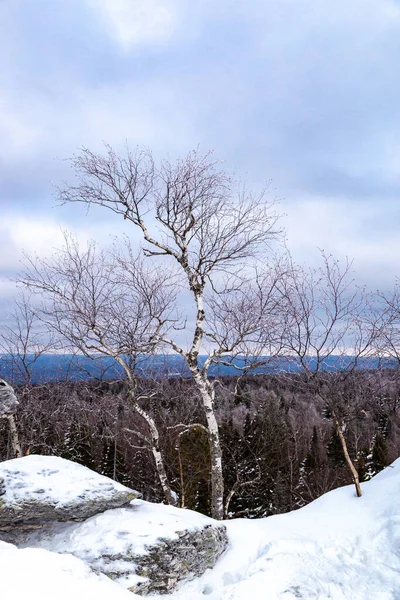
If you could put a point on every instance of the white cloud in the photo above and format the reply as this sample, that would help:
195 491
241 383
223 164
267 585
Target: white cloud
21 234
353 230
134 22
149 114
18 133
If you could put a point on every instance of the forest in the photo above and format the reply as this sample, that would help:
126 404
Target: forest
280 446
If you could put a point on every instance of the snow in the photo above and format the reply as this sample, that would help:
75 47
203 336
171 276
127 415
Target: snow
340 547
37 574
101 539
53 480
114 529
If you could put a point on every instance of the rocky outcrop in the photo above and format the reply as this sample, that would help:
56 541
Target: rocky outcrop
8 399
145 547
171 561
56 505
37 490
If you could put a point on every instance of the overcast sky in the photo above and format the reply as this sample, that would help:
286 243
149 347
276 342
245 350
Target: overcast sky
305 93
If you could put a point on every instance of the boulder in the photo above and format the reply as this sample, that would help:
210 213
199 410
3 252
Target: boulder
36 490
170 561
146 548
8 399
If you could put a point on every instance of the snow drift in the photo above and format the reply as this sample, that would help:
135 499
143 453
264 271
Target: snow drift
339 547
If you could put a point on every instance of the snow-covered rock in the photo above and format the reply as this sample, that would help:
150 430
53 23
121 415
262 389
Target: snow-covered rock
8 399
43 489
144 547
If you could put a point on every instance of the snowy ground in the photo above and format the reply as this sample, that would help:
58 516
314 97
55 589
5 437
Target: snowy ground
339 547
35 574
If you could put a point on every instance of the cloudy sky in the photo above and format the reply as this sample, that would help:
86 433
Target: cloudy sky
302 93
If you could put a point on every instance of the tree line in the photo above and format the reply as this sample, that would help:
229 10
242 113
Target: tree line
280 448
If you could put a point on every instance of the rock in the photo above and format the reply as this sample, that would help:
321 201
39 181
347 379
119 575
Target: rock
147 548
8 399
35 490
171 561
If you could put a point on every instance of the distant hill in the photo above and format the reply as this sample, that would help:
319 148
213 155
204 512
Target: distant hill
56 367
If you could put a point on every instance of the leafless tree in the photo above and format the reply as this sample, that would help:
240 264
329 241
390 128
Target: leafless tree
195 215
389 340
330 330
107 304
23 340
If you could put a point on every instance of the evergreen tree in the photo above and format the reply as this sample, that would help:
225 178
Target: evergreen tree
335 450
364 464
76 445
313 459
113 462
379 453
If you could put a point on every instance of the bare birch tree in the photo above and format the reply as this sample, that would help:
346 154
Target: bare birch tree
193 214
330 331
23 340
389 339
106 305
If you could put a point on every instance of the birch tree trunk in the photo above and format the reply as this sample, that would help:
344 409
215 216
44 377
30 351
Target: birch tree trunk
157 455
217 480
15 443
354 472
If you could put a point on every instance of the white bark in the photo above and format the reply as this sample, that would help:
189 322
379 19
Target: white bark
207 395
162 475
217 480
158 459
154 435
353 470
15 443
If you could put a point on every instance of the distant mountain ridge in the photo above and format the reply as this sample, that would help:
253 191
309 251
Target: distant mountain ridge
69 367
